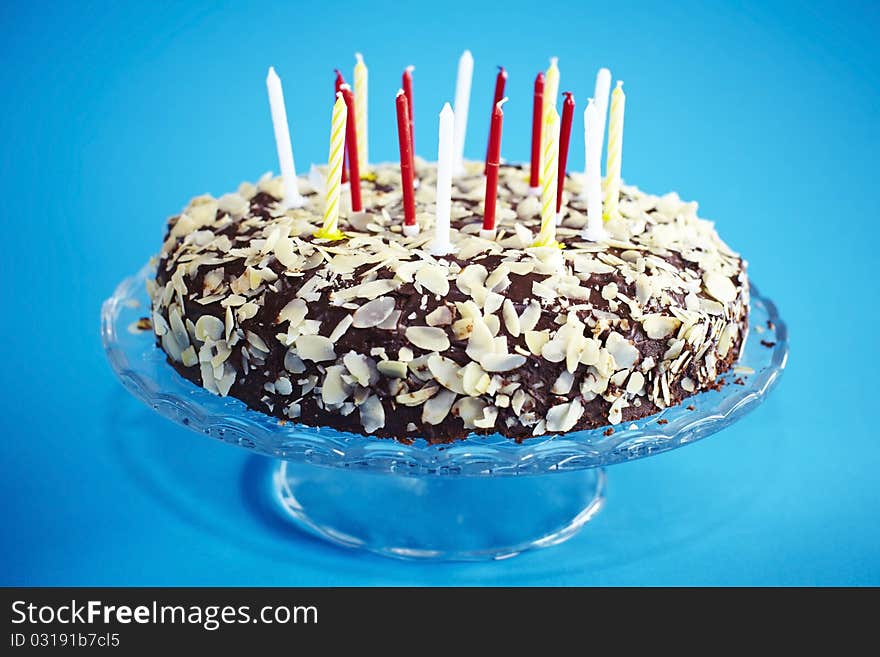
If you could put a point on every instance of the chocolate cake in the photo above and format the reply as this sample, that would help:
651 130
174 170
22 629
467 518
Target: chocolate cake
375 335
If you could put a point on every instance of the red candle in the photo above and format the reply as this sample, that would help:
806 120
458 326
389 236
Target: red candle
500 81
404 138
351 149
537 118
493 161
339 82
408 91
564 139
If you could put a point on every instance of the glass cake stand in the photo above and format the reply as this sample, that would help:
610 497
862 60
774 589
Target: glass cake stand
486 497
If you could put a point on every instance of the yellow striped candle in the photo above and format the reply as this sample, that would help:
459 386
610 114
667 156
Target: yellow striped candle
330 229
360 105
615 149
551 93
550 158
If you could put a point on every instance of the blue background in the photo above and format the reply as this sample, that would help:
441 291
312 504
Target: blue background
112 116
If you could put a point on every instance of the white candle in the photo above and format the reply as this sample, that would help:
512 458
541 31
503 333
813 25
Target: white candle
462 101
292 197
600 95
360 104
441 244
594 230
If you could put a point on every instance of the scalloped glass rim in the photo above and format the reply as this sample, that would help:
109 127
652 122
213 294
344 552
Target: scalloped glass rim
142 369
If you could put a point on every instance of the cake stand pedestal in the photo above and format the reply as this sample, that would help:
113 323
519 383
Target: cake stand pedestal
438 517
485 497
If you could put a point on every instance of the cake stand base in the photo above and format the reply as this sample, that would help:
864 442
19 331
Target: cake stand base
447 518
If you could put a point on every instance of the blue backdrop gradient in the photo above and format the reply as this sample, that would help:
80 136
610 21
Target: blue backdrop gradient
112 115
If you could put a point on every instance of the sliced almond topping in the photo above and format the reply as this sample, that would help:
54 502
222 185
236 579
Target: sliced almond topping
480 341
469 409
472 276
719 286
563 383
660 326
635 383
609 292
502 362
475 380
622 350
188 356
428 338
417 397
554 351
334 389
372 414
392 368
535 340
437 407
563 417
440 316
294 312
315 348
445 372
361 367
511 319
293 363
433 278
340 329
209 327
373 312
530 316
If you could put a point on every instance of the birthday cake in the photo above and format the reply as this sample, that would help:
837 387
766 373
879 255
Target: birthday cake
374 334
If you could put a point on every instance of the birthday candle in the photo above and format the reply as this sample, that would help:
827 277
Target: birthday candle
564 140
493 161
547 235
340 81
548 102
500 81
615 149
292 197
360 103
442 244
537 120
551 86
404 140
408 91
330 229
352 148
462 101
594 230
600 97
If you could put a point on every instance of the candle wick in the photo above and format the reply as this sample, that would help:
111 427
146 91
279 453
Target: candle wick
410 68
399 92
501 102
359 57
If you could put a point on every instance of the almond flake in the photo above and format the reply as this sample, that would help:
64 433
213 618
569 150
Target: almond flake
315 348
433 278
502 362
373 312
660 326
437 407
209 327
392 368
440 316
428 338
